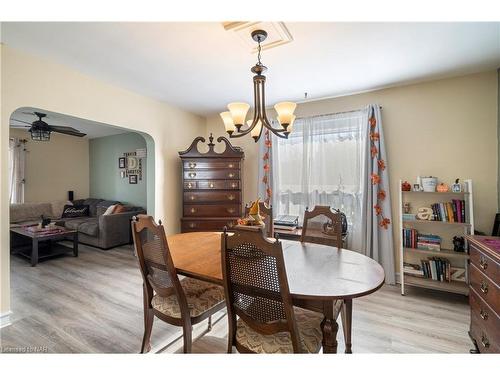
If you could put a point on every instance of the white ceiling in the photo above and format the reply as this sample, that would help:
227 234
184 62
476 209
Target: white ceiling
201 67
91 128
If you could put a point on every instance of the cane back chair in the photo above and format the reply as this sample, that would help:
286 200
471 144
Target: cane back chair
267 213
178 302
260 312
322 226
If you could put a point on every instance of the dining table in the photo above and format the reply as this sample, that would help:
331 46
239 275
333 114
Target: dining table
321 278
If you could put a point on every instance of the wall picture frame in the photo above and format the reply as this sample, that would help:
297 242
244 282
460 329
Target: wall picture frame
121 163
132 179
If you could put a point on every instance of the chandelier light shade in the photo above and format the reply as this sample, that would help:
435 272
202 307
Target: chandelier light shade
234 119
228 122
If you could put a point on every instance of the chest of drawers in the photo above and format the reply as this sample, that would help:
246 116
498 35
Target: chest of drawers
484 296
212 186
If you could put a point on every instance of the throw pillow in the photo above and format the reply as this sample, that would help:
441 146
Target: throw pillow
75 211
119 208
110 209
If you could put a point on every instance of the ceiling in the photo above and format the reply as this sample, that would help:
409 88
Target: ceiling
201 67
91 128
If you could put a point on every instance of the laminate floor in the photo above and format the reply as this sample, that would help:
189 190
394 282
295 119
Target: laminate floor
93 304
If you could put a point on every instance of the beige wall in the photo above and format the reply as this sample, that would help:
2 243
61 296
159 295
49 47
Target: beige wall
29 81
445 128
53 168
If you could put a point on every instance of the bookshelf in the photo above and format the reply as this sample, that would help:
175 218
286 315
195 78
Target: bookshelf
444 229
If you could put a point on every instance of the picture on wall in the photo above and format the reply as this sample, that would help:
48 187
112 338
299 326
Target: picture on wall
121 163
132 179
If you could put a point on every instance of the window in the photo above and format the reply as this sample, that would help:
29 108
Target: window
321 163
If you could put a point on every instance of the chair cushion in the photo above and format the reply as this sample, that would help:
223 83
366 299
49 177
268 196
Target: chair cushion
85 225
201 296
309 330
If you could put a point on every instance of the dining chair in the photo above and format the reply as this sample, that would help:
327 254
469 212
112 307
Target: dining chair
260 312
322 226
178 302
267 212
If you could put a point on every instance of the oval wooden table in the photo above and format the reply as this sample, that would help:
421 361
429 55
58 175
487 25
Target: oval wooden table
321 278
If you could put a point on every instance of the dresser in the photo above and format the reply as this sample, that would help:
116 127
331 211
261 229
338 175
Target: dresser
212 186
484 296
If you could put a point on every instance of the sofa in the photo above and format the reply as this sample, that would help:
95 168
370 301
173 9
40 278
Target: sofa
97 229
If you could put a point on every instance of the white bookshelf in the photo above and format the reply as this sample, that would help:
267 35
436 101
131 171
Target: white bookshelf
446 230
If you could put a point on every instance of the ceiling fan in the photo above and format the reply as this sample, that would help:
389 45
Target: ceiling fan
40 130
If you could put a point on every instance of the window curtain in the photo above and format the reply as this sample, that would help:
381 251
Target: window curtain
320 164
17 153
337 160
376 204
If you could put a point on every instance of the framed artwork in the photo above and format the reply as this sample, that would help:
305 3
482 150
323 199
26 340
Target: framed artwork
132 179
121 163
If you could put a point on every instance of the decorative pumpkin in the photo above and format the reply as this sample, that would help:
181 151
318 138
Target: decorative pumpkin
442 188
406 186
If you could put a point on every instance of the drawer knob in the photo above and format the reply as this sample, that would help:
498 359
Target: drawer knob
211 185
233 185
191 174
192 165
190 185
192 197
231 210
484 314
231 175
230 166
485 341
484 287
193 210
231 197
483 263
192 225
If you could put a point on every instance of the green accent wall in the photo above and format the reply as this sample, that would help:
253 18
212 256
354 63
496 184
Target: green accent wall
105 179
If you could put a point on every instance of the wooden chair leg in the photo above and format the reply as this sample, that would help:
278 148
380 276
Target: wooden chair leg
148 327
187 335
346 315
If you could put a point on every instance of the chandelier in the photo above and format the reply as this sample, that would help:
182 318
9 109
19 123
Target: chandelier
234 119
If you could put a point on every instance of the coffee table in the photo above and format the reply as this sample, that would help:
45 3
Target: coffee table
37 246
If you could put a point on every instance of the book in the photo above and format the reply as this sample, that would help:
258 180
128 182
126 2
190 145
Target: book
287 220
285 227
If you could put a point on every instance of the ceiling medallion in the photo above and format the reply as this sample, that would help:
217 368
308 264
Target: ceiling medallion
234 119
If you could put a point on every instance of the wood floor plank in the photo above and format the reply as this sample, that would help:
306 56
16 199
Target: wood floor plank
93 304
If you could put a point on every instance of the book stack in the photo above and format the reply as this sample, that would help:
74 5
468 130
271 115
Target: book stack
428 242
410 237
438 269
453 211
286 222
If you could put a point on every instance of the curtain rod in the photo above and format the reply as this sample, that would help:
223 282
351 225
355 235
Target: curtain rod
334 113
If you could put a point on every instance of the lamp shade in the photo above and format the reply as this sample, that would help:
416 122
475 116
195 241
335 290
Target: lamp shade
285 112
256 130
228 121
238 112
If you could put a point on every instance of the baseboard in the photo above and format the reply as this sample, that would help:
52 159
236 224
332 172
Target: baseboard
5 319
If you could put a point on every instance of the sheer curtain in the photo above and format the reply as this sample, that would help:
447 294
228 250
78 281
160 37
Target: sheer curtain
321 163
16 170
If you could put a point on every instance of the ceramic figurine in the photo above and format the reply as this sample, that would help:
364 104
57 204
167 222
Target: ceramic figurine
456 187
254 213
405 186
458 244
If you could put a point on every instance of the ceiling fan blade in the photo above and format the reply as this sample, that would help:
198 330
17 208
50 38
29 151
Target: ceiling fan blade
64 128
24 122
28 113
67 132
20 126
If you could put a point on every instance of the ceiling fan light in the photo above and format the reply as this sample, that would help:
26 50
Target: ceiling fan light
40 135
238 113
228 122
285 112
